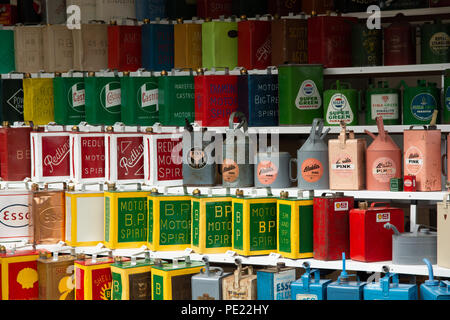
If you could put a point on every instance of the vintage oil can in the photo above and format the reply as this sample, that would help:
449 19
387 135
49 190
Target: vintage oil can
19 276
367 45
7 50
294 226
272 169
317 6
172 281
258 98
409 184
139 99
8 15
150 9
211 223
47 215
14 215
241 285
435 42
343 289
124 47
443 227
57 44
446 102
434 289
309 286
384 102
331 226
38 99
28 48
220 44
56 275
420 102
399 42
176 98
187 45
283 8
85 225
15 152
274 283
254 44
300 93
389 288
207 285
11 97
69 98
107 10
157 45
369 240
341 103
90 46
214 9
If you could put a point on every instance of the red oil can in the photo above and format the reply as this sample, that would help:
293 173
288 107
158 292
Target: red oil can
409 183
254 44
330 41
124 48
399 43
331 226
369 240
15 154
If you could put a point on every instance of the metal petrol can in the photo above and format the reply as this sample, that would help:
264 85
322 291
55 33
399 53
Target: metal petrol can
11 97
411 247
420 102
214 9
251 8
163 164
216 98
126 218
434 289
300 93
409 184
187 45
124 152
237 165
84 216
331 225
57 44
367 45
312 160
132 280
19 276
383 160
283 8
422 156
54 12
93 279
157 45
199 158
347 163
274 283
341 103
258 98
15 152
241 285
8 15
14 215
220 44
294 226
389 288
69 98
207 285
254 44
211 223
317 6
124 47
90 46
272 169
56 273
38 99
47 215
185 9
290 38
254 224
330 41
173 281
309 286
28 49
103 98
369 240
7 50
443 227
139 99
176 98
343 289
107 10
150 9
87 155
399 42
50 155
169 221
384 102
435 42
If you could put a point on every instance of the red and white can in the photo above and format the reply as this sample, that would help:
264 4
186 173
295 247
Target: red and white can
409 183
14 215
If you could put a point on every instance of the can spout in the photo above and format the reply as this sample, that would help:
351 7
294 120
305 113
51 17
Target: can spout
430 281
392 227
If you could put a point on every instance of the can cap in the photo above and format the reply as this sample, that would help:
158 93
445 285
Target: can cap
91 74
58 74
364 205
126 73
34 187
71 187
5 124
164 73
109 129
208 19
180 20
239 193
146 21
149 130
284 194
81 256
2 249
154 191
111 186
244 71
113 23
75 129
196 192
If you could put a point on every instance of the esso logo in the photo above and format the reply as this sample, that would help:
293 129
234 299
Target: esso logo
341 206
49 218
15 216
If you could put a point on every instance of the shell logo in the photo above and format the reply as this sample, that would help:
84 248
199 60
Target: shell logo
105 292
27 278
66 286
341 206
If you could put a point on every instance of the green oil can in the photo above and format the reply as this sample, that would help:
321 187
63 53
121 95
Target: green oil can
420 102
176 98
69 98
139 99
435 42
367 46
300 88
384 102
341 104
446 115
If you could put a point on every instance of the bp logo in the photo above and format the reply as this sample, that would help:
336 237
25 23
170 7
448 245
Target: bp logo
110 97
15 216
147 97
338 101
76 97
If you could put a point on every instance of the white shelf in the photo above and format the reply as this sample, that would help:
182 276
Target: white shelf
423 69
432 12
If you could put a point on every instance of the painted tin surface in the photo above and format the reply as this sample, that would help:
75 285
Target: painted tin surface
56 278
150 9
139 99
435 42
300 93
258 99
57 43
399 43
214 9
126 219
7 51
341 103
241 285
107 10
132 281
389 288
169 222
310 286
254 44
207 285
38 100
367 45
254 225
385 102
157 46
14 215
15 153
290 37
420 102
188 45
11 99
331 226
28 49
54 12
274 283
434 289
443 224
84 218
220 44
272 169
69 100
90 46
295 228
409 184
283 8
124 47
93 280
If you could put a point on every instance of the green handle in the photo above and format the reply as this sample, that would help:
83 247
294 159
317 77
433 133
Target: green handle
341 85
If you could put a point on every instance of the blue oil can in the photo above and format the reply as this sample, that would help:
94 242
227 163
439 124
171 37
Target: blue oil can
389 288
343 289
434 289
310 286
275 283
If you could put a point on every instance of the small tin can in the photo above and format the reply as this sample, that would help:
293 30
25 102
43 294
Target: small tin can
396 184
274 283
341 104
11 97
38 99
187 45
367 46
254 44
14 215
272 169
150 9
29 53
69 98
90 46
124 47
409 183
241 285
157 45
57 43
207 285
220 44
7 49
310 286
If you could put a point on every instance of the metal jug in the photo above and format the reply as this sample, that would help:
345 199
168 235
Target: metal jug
272 169
389 288
310 286
207 285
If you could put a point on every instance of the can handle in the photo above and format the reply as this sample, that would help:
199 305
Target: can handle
385 282
380 125
218 271
341 85
343 134
392 227
291 161
373 204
